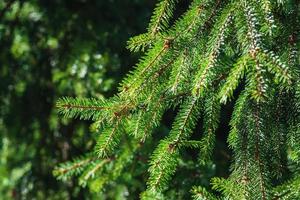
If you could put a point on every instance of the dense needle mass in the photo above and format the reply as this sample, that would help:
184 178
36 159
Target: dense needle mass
217 52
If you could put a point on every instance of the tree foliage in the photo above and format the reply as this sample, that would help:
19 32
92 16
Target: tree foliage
215 52
242 52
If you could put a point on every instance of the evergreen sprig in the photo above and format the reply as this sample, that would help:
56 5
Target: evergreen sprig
242 52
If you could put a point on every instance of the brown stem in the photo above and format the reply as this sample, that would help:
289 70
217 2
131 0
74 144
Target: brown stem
69 106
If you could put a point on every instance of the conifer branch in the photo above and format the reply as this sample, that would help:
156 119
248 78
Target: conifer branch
66 170
268 15
258 152
200 193
164 159
214 50
147 121
187 66
277 67
238 136
210 124
288 190
83 108
162 14
259 93
90 173
109 139
140 42
133 82
185 122
236 74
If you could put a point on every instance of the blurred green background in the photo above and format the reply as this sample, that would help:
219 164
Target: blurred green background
55 48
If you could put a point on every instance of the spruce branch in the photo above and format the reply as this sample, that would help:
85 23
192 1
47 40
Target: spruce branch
162 166
149 117
83 108
140 42
191 144
277 67
164 159
214 47
159 22
134 81
212 110
236 74
257 81
109 139
66 170
269 17
193 66
90 173
161 48
200 193
258 158
288 190
228 187
161 16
